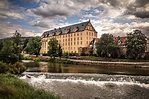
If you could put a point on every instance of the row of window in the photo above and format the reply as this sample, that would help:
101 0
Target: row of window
71 43
67 43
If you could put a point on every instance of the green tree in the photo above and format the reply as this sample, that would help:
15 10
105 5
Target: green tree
7 54
17 38
33 46
59 51
1 45
53 47
135 44
106 47
17 44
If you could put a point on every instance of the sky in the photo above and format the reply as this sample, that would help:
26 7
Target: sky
33 17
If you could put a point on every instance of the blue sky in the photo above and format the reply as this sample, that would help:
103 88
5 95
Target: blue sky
33 17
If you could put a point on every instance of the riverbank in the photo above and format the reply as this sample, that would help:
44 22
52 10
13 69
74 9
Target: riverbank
94 61
109 63
13 88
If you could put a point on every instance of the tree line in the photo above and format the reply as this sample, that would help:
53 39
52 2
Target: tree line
106 47
135 45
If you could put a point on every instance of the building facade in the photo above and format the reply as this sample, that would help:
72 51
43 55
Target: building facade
71 38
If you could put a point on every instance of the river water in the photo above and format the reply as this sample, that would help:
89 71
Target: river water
88 82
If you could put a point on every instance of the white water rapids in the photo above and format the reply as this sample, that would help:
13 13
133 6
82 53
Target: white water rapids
91 86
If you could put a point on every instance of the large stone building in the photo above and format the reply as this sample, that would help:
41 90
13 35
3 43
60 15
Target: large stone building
71 38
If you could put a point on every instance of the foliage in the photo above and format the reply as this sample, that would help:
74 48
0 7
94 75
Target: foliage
16 68
17 38
7 54
54 49
14 88
33 46
59 51
113 50
1 45
106 47
3 67
17 44
135 44
91 52
65 55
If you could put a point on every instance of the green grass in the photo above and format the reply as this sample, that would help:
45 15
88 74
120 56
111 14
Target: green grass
93 58
13 88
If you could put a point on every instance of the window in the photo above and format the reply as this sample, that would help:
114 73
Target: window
86 33
81 42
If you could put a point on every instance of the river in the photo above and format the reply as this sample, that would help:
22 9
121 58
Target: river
88 82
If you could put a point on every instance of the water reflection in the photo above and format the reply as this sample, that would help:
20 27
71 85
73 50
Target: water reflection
67 68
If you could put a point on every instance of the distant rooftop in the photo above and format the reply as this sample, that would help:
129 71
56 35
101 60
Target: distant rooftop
68 29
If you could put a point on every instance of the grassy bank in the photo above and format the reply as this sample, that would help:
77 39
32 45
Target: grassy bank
13 88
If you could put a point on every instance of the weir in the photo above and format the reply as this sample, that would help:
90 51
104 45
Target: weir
90 86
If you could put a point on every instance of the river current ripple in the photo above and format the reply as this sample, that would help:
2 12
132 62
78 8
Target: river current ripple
90 86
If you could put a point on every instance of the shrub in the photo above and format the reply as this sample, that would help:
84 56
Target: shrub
13 88
65 55
17 68
3 67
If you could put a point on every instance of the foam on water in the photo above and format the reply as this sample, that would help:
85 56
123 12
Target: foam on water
42 79
86 86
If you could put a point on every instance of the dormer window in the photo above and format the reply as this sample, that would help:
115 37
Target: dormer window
60 31
76 28
68 30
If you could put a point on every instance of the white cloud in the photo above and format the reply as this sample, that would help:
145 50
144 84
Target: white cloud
8 29
7 10
52 14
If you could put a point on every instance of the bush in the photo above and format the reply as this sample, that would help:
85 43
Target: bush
65 55
17 68
3 67
13 88
8 58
